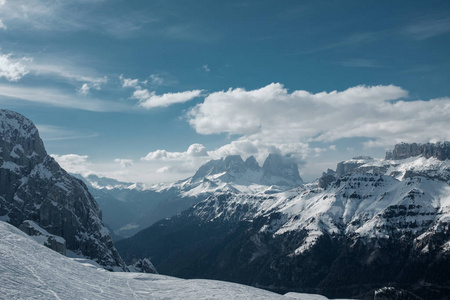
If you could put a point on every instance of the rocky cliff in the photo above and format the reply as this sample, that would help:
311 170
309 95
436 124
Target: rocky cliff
438 150
34 187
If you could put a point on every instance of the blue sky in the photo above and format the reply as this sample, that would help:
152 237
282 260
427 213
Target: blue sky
149 90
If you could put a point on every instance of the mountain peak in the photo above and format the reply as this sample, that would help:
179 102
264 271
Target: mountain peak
277 170
280 170
251 164
33 187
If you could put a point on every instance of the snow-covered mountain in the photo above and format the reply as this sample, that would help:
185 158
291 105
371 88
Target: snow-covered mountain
37 195
369 223
30 271
128 208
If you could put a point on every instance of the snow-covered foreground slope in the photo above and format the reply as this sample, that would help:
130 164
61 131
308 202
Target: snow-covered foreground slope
29 270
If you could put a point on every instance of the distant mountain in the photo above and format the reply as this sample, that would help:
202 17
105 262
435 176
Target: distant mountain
368 224
129 208
38 196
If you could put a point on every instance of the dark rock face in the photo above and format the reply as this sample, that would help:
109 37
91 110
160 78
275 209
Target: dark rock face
231 163
251 164
143 266
34 187
56 243
438 150
391 293
280 170
276 170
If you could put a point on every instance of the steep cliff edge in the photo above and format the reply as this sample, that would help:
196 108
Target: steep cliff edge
34 187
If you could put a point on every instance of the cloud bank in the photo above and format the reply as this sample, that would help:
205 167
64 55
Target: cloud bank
273 115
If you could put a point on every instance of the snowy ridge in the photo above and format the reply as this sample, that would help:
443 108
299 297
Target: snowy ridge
375 199
32 271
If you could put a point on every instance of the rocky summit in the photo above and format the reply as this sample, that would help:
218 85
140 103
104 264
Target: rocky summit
33 187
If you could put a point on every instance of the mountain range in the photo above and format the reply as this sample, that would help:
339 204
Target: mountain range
128 207
367 224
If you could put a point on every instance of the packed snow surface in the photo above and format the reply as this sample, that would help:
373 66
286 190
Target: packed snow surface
29 270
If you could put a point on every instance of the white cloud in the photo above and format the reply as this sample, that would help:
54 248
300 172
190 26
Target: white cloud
2 26
194 150
360 63
206 68
73 163
273 115
51 15
57 133
156 79
56 98
66 71
128 82
428 28
165 169
260 149
151 100
124 163
84 89
13 69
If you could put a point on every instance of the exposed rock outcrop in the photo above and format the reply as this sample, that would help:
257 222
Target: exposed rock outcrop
143 265
438 150
34 187
54 242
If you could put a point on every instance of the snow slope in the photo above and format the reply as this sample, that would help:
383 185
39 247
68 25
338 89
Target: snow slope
29 270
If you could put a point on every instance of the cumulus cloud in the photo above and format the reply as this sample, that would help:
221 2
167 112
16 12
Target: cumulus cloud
206 68
73 163
151 100
128 82
273 115
13 69
2 26
194 150
124 163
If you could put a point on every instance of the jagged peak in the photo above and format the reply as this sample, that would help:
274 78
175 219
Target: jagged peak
277 170
277 165
251 164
